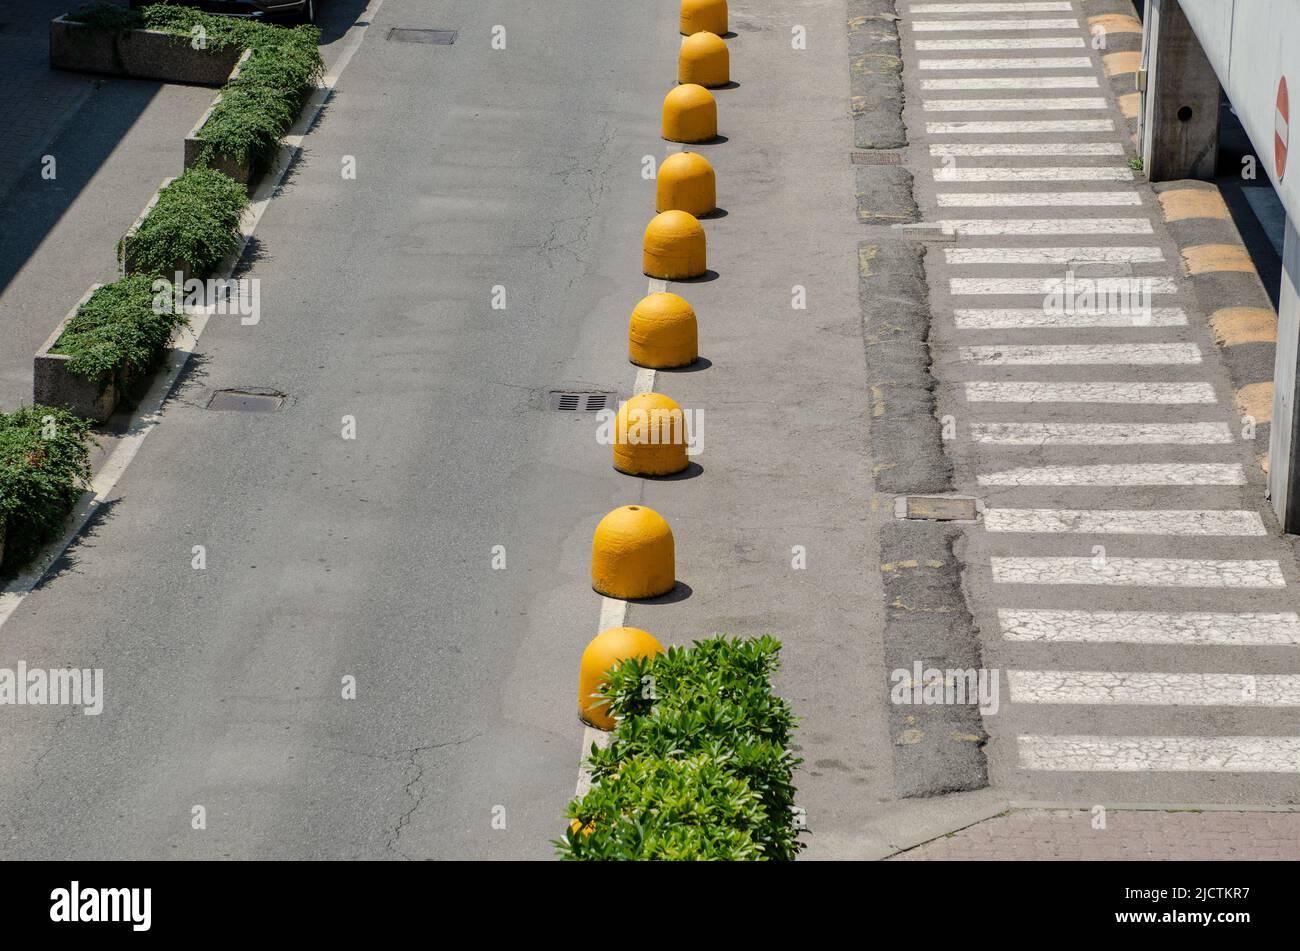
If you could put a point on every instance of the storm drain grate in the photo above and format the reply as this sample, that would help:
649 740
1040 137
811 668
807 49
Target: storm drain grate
876 158
401 34
572 402
247 401
938 508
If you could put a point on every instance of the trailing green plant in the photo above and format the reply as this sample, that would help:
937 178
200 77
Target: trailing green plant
195 221
120 332
44 468
108 16
699 767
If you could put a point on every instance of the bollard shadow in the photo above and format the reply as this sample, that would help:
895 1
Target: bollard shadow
680 592
732 84
692 471
701 363
715 213
708 276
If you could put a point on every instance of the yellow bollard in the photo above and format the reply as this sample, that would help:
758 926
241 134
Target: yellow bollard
704 60
690 114
632 554
686 182
662 333
607 649
697 15
674 247
650 436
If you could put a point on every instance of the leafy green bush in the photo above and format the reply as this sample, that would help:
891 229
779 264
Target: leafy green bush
119 333
109 16
195 220
699 767
44 467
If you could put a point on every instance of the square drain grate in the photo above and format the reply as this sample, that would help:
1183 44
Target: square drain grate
246 401
876 158
939 508
401 34
572 402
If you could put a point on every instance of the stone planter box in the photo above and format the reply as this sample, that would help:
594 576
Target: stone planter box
53 385
222 163
125 259
139 54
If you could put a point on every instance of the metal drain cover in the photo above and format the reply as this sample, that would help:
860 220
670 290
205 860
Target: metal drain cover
401 34
247 401
571 402
876 158
938 508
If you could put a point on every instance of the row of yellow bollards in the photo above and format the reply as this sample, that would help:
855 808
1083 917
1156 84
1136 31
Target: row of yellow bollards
632 552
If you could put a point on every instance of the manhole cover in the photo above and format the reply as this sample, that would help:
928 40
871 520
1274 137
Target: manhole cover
876 158
572 402
400 34
247 401
938 508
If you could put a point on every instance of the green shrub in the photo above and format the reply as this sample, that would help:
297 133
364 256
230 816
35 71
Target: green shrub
109 16
699 767
119 333
195 220
44 467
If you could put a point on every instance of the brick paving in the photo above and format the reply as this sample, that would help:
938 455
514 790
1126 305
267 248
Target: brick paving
1028 834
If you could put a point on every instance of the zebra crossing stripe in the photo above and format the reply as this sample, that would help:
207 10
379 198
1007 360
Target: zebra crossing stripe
1141 394
1101 434
1137 354
1138 572
1056 7
1014 105
1019 126
1036 199
1109 287
1195 754
1124 522
985 227
1000 43
1104 255
1016 62
1151 627
1017 82
1087 174
990 26
1066 319
1104 688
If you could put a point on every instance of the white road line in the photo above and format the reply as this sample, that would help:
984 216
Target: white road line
1089 174
1032 149
1101 434
1193 754
999 43
1139 572
990 26
1036 199
1016 62
1056 7
1136 354
981 227
1154 689
1147 627
1020 126
1159 394
1124 522
1104 255
1013 105
1015 82
1200 473
1100 287
1023 318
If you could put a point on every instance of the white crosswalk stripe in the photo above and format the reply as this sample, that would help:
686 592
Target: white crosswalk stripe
1019 126
1024 318
1059 104
1113 522
1214 754
1088 174
1036 199
1018 43
1140 572
1018 82
1142 394
1009 62
981 227
1109 287
1101 434
1146 689
1137 354
1059 6
1077 255
1140 474
991 26
1151 627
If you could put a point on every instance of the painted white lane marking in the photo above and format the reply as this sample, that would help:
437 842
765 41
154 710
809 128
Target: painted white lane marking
1109 288
990 26
1036 199
1136 354
947 174
1013 105
1016 82
1102 434
1161 394
1103 255
1149 627
1017 318
1222 522
1139 572
1141 474
1020 126
1016 62
1031 149
1151 689
1041 7
981 227
1000 43
1193 754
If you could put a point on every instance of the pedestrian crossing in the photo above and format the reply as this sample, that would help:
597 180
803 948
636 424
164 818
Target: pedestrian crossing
1127 558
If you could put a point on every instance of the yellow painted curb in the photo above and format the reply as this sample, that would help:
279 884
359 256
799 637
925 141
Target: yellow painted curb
1130 103
1117 63
690 114
1179 204
686 182
1256 400
1116 23
1238 325
632 554
663 333
608 649
703 15
674 247
704 60
650 436
1209 258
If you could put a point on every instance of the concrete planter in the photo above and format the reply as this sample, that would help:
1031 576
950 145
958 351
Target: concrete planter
53 385
139 54
126 262
222 163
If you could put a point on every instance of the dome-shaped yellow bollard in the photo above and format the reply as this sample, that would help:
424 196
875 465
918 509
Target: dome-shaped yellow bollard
662 333
709 15
686 182
607 649
674 247
632 554
704 60
650 436
690 114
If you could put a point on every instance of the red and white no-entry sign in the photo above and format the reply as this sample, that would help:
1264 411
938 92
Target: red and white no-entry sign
1281 129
